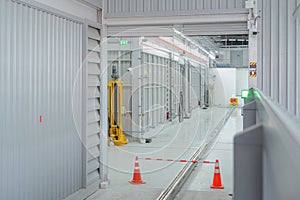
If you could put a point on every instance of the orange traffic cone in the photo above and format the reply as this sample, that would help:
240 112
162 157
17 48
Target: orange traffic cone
136 174
217 183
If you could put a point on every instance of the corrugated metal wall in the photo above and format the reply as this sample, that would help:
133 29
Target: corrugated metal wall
279 74
204 86
175 85
297 16
154 90
40 104
192 17
196 86
155 7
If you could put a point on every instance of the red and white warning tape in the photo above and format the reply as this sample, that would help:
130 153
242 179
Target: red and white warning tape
182 160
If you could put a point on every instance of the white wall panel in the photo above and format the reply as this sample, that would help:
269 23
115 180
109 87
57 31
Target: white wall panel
195 86
39 68
241 80
153 90
283 53
157 7
274 50
73 7
278 52
224 85
297 17
195 17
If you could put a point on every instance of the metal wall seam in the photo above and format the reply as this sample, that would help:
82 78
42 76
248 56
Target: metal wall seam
298 60
274 65
260 70
266 57
291 64
282 53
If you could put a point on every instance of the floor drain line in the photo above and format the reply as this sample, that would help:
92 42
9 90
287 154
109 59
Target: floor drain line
175 185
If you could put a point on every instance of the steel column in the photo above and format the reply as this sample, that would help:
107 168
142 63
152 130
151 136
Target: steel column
103 110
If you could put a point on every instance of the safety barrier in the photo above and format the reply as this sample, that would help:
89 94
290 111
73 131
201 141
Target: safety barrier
137 178
181 160
269 141
175 185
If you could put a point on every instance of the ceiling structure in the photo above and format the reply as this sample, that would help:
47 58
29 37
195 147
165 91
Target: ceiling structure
213 44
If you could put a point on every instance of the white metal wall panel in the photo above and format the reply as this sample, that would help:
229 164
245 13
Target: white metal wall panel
274 50
203 85
278 53
280 76
39 67
283 53
297 17
176 86
196 86
157 7
241 80
158 17
154 90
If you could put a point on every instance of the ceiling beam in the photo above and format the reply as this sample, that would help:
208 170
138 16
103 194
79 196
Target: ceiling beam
207 18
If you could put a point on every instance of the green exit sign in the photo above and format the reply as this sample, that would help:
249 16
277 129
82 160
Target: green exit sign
245 94
123 42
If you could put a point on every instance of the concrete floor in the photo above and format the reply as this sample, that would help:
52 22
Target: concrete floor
175 141
198 185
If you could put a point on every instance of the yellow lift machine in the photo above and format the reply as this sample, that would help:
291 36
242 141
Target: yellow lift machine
115 89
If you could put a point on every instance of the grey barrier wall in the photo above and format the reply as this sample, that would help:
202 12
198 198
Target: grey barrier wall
266 164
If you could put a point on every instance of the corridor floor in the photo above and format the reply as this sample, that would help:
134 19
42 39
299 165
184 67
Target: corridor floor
174 141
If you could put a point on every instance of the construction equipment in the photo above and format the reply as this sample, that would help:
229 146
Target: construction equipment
115 90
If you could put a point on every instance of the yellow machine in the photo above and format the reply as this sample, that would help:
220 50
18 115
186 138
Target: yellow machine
115 89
